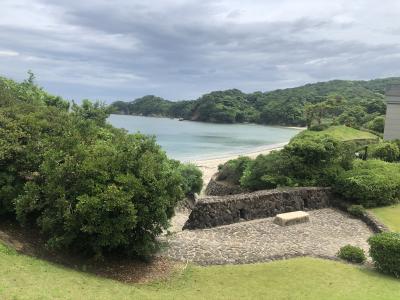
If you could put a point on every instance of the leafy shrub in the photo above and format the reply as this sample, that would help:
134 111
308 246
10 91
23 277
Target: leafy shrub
306 161
370 183
386 151
233 169
356 210
267 172
397 142
319 127
385 252
87 186
352 254
25 114
192 179
377 124
101 197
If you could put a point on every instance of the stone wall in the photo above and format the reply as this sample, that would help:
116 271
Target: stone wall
373 223
220 188
222 210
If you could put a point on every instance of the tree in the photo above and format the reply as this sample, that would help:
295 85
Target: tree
88 187
31 78
300 106
377 124
97 112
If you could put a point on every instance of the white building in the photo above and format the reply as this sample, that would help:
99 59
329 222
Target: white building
392 124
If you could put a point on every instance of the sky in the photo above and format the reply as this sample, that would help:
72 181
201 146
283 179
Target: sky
180 49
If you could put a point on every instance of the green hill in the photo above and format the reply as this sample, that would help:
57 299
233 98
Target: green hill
360 102
342 133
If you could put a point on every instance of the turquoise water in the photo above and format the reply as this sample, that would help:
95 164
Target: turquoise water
186 140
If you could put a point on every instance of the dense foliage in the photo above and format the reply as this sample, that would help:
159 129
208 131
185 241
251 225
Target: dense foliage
385 252
306 161
192 178
327 158
267 172
356 210
387 151
370 183
352 103
377 124
233 170
87 186
147 105
352 254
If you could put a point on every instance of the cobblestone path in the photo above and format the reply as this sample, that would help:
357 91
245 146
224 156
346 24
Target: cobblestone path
262 240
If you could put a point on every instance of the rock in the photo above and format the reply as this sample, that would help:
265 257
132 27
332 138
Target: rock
220 188
291 218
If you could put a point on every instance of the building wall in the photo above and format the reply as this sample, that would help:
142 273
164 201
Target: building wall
392 124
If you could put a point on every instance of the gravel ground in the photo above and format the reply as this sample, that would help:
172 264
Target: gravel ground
262 240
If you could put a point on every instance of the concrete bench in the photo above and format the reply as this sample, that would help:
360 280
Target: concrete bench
292 218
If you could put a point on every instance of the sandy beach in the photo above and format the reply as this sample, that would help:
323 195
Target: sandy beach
210 166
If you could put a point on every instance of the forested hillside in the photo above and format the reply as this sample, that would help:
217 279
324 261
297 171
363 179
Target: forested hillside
354 103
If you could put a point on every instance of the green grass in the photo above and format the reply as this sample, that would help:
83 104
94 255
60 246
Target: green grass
342 133
23 277
389 215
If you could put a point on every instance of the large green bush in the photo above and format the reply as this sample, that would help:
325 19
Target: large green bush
386 151
29 120
306 161
370 183
377 124
87 186
192 178
267 172
385 252
233 169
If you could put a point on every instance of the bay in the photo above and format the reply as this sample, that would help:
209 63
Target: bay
187 140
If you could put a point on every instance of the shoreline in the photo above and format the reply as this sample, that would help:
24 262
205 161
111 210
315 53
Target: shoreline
209 166
253 152
215 123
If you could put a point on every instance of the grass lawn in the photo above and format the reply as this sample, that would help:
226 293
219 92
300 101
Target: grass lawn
342 133
389 215
23 277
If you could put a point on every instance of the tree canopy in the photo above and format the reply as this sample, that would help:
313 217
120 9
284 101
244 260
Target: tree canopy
352 103
87 186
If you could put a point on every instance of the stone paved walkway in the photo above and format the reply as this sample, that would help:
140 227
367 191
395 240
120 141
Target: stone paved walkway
262 240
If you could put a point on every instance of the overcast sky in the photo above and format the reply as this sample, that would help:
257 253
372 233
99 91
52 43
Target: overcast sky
180 49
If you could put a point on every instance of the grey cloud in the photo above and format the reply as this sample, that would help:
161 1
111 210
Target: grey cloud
179 50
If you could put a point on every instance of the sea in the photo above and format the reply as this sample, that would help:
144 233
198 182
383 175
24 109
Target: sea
188 140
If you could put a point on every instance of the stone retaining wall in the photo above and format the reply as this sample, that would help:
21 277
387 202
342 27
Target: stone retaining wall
373 223
222 210
219 188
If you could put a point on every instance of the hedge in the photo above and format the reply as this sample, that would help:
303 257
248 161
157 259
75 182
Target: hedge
370 183
385 252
